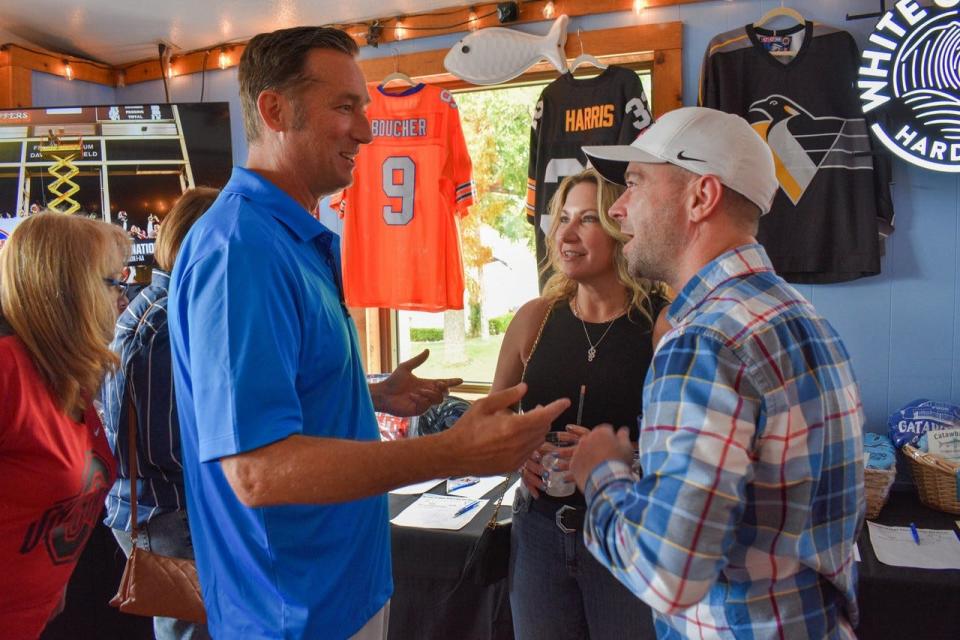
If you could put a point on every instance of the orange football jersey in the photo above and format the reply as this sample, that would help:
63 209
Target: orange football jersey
401 238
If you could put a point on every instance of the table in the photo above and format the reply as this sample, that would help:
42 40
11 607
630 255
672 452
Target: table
448 585
898 602
452 584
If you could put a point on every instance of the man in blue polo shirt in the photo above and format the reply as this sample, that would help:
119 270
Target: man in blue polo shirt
285 473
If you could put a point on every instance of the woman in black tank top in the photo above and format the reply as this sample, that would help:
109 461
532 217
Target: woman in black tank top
589 338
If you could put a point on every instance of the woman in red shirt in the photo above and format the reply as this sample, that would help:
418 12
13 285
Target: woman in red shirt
59 283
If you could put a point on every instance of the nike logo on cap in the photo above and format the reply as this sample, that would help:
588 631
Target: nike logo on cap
682 156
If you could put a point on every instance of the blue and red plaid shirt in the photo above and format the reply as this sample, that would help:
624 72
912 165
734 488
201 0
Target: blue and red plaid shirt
745 520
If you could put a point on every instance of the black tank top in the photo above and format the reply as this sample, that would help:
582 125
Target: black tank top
614 380
559 365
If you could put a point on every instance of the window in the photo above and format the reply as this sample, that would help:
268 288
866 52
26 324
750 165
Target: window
500 267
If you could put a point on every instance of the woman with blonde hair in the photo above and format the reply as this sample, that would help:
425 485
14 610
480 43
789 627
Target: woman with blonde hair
588 337
144 381
59 283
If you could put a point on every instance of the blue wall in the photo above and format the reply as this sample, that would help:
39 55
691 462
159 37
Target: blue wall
901 327
53 91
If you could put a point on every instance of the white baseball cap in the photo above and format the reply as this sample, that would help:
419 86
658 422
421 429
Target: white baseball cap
704 141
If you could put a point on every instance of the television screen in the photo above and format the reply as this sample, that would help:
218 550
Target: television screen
126 164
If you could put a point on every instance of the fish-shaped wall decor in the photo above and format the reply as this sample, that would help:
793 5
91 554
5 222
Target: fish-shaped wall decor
495 55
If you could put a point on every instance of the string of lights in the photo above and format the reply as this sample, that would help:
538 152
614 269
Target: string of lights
400 29
67 59
371 32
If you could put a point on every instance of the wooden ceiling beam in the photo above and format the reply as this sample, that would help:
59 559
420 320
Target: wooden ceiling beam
14 55
436 23
440 22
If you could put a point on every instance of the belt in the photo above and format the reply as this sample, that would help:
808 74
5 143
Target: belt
568 518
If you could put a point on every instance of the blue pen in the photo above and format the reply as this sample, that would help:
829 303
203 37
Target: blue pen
914 533
466 508
463 485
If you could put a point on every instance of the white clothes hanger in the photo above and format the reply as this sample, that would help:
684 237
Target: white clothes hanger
397 75
584 58
777 12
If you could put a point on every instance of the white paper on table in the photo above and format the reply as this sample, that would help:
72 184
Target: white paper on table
415 489
434 511
938 548
476 491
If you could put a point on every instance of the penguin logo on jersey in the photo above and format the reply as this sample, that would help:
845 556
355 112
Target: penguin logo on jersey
910 83
803 144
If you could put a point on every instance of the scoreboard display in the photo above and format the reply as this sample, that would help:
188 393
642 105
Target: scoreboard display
126 164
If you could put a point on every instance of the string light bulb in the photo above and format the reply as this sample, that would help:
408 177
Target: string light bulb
398 31
549 10
171 68
67 70
224 59
121 78
472 20
639 5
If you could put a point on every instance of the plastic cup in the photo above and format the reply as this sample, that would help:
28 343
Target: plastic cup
555 481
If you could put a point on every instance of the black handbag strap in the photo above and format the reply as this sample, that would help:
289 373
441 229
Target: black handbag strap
536 340
132 462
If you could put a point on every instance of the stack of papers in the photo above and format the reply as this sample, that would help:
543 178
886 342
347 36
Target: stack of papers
472 487
937 549
432 511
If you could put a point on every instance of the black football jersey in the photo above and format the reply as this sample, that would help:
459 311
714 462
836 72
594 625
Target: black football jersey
610 108
834 201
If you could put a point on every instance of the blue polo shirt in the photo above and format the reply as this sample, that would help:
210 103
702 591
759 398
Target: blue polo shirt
263 348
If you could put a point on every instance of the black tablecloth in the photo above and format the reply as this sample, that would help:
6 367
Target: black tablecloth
451 584
899 602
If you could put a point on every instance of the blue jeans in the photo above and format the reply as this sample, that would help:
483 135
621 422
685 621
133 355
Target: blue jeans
166 535
558 590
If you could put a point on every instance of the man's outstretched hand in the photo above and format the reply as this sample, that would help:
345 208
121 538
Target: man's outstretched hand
490 438
404 394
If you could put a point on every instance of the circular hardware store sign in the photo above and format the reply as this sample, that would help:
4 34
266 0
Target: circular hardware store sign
909 83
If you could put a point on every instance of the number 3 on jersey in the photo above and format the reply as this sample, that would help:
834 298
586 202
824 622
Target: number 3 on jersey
399 178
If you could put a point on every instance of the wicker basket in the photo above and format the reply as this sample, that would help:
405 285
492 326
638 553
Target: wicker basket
877 483
936 479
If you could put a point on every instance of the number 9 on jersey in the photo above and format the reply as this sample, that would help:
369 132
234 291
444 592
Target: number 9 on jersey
399 178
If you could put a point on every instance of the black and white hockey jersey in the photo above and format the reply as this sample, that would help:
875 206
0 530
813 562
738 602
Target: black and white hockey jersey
610 108
834 194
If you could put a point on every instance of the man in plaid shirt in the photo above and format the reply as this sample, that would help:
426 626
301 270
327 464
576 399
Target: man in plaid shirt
744 522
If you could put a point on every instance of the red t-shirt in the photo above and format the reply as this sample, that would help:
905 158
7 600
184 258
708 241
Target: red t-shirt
54 475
